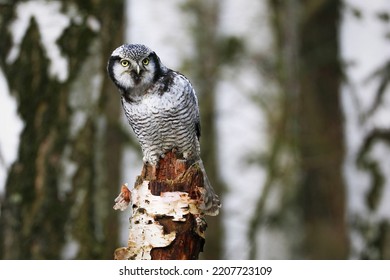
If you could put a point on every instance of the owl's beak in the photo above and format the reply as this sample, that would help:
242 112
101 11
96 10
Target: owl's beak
138 69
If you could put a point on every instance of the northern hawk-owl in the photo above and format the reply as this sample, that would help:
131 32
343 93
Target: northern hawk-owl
162 109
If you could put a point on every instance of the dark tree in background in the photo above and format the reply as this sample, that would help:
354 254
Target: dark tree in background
308 131
310 75
321 141
38 216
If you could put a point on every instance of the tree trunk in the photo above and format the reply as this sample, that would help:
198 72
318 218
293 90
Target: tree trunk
33 215
321 142
57 191
165 221
307 38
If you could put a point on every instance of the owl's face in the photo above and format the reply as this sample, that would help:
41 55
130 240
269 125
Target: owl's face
133 67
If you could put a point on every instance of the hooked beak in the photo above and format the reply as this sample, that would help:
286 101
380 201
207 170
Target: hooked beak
138 69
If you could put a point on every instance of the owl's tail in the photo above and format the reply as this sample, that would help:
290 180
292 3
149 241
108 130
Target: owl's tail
211 203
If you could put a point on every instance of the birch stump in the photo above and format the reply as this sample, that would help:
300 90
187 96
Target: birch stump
165 221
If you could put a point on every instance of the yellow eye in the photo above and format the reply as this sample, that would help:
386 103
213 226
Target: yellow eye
125 63
145 61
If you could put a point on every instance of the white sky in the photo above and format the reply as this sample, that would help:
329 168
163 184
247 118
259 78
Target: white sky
365 49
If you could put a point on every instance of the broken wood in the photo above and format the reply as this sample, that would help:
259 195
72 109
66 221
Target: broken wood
165 223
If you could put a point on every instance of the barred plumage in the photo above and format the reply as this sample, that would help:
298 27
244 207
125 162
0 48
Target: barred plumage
161 107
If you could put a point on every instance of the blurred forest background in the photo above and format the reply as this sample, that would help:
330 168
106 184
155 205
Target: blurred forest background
295 114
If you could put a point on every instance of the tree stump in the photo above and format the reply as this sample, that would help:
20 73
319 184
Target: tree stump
166 223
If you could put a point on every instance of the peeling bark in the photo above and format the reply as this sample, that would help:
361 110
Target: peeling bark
165 223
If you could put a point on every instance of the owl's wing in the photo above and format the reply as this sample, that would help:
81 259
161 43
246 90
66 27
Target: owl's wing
196 109
182 88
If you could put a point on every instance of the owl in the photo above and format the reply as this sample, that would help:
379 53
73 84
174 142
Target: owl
161 107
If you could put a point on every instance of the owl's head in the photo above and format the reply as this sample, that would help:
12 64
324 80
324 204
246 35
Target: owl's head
133 66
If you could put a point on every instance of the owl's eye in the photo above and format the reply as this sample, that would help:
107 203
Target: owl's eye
125 63
145 61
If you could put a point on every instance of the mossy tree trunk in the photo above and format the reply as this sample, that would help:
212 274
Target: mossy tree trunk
60 189
29 226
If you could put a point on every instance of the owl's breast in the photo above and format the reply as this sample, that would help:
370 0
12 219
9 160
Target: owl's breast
165 120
